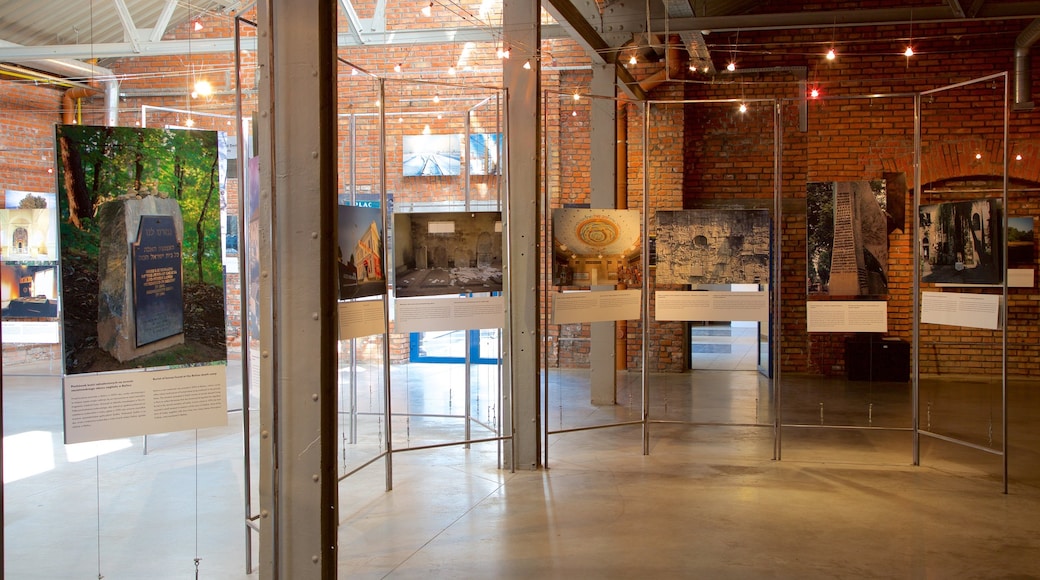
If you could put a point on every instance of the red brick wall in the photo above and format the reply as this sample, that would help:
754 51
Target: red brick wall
702 155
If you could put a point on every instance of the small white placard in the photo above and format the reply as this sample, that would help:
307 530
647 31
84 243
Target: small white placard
847 316
961 309
1020 277
605 306
712 305
16 332
127 404
361 318
454 313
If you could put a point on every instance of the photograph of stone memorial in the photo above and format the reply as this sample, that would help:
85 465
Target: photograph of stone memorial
447 253
961 242
360 252
596 247
847 228
142 280
713 246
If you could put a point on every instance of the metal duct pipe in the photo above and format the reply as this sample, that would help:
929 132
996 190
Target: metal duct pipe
1024 66
111 102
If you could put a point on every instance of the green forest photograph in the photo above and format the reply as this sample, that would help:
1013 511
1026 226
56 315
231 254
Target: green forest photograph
121 171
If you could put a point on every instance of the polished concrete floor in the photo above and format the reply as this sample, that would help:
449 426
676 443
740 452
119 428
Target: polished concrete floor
708 501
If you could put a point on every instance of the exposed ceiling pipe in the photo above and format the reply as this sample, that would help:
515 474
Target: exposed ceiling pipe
1024 66
79 70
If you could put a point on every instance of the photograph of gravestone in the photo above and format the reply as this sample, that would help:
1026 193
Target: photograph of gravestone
1021 251
484 154
847 228
960 242
360 252
713 246
432 155
593 247
29 291
447 253
141 266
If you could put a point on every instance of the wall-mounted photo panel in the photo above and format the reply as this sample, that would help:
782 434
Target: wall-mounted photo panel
1021 253
593 247
847 245
713 246
29 227
484 154
432 155
29 291
140 248
447 253
961 242
360 252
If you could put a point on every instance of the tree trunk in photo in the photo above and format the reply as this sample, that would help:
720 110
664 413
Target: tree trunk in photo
199 230
75 183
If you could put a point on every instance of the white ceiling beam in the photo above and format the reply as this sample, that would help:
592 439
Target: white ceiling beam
164 21
20 53
352 18
128 24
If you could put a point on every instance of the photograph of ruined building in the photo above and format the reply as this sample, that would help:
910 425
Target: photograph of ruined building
847 244
447 253
712 246
960 242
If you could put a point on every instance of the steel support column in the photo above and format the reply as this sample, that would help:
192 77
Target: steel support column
603 182
297 56
521 28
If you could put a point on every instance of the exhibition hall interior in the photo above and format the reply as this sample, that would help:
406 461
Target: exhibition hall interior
475 289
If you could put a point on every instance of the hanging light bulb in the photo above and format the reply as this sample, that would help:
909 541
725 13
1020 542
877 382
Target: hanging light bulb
353 72
743 108
831 55
732 66
815 93
693 67
397 67
527 65
197 25
202 88
632 60
427 11
576 96
190 122
908 52
426 130
451 70
436 98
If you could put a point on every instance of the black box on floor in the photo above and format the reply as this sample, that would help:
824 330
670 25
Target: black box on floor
875 359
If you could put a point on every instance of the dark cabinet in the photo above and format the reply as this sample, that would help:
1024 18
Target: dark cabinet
876 359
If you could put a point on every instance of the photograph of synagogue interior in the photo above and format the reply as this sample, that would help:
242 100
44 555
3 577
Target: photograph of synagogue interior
504 289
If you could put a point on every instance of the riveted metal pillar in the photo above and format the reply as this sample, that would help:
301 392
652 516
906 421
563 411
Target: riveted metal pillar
296 51
522 35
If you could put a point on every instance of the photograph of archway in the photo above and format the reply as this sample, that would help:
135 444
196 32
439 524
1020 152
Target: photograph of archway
961 242
847 227
713 246
29 291
447 253
360 252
